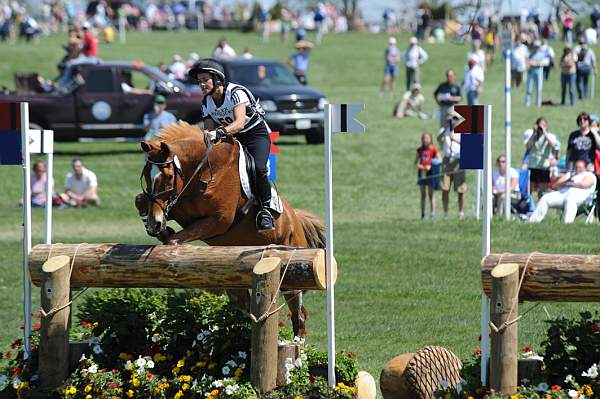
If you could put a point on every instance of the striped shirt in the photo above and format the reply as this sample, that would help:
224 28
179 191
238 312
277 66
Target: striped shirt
234 95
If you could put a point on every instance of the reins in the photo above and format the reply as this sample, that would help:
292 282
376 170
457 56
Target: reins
174 194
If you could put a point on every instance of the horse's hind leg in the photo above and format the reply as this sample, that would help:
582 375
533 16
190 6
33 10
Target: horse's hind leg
299 314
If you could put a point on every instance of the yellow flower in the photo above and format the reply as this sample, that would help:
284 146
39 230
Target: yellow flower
185 386
135 382
158 357
176 370
71 390
297 397
238 373
187 378
200 364
214 392
470 397
87 388
178 395
514 396
88 396
130 393
181 363
212 366
588 390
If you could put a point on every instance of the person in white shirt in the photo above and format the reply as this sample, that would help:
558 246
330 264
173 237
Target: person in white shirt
451 172
178 68
520 57
413 57
477 54
474 78
573 190
499 185
550 55
81 187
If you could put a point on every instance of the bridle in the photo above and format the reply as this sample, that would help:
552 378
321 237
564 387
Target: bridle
174 195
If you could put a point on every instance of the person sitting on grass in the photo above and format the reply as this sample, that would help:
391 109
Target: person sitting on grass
411 104
426 153
80 187
499 185
573 190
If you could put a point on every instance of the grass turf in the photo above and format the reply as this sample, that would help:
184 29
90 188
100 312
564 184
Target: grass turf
403 283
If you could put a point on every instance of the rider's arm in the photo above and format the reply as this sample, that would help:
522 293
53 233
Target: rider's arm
239 119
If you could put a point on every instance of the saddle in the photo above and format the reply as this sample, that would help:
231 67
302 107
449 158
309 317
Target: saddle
247 172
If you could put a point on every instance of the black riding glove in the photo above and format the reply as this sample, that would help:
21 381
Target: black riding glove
220 132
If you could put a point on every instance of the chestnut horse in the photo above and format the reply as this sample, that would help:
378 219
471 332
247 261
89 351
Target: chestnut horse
196 183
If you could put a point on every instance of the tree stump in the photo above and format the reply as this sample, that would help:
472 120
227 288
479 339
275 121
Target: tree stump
392 382
365 386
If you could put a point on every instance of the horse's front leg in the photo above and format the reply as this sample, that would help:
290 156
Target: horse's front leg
200 229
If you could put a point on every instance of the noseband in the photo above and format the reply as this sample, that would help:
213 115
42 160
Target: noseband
174 195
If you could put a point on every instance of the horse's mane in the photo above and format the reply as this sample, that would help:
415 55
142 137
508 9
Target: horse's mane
178 131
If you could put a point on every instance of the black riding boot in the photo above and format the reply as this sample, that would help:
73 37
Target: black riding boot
264 219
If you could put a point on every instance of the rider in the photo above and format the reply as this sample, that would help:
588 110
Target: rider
229 108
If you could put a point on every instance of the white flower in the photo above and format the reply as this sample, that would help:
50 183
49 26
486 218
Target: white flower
225 370
217 384
16 382
592 372
34 377
303 356
288 378
537 357
140 362
444 384
97 349
155 338
573 393
93 369
569 378
289 366
200 337
459 388
150 364
243 365
299 340
94 341
527 355
298 363
3 379
82 358
215 328
542 387
242 355
231 363
128 365
229 390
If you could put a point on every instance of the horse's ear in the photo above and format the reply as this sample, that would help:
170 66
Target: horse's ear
145 146
164 147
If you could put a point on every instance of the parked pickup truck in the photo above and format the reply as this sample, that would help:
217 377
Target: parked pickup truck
104 99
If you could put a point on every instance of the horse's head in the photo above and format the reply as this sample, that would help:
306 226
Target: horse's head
163 176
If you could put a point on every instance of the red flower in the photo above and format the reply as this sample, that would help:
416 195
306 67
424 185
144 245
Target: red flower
595 326
33 346
85 324
555 387
526 349
149 376
312 378
9 355
16 343
37 326
113 385
477 352
16 370
282 324
114 371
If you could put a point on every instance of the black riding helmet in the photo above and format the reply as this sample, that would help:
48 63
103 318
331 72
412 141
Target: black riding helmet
208 65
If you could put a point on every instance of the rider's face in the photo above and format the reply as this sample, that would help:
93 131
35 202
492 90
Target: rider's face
205 82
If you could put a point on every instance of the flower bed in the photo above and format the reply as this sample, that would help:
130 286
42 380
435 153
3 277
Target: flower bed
169 344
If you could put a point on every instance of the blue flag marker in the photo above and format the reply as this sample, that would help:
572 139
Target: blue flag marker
471 151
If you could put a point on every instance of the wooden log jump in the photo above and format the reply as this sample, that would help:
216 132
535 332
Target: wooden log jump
180 266
550 277
59 267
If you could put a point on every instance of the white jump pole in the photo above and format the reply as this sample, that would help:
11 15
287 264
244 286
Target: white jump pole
26 228
477 194
329 247
49 180
486 238
507 132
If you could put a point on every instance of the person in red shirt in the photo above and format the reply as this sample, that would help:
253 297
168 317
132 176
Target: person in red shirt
90 43
426 153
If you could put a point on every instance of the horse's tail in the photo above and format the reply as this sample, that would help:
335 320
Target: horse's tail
313 227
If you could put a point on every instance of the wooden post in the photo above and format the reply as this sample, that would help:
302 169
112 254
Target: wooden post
503 364
265 281
285 350
54 338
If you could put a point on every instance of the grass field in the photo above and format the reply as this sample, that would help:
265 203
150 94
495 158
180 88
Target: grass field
403 283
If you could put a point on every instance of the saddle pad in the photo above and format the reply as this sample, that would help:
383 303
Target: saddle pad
276 204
